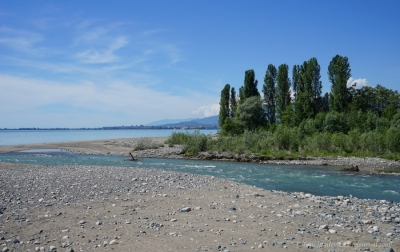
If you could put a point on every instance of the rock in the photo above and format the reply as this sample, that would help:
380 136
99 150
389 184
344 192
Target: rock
375 229
52 249
260 246
367 221
5 249
332 231
186 209
348 243
98 222
323 227
113 242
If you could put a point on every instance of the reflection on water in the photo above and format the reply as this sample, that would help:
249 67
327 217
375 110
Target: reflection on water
318 180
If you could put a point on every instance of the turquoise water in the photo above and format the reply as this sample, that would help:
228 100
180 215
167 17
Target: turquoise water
15 137
318 180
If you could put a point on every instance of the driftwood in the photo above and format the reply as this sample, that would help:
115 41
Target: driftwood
132 158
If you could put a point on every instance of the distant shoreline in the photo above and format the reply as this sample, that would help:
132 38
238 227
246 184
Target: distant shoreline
124 128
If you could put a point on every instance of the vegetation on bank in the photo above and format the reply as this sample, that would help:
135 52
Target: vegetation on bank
294 119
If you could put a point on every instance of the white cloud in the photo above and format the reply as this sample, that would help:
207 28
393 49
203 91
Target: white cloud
360 83
20 40
116 102
104 56
206 111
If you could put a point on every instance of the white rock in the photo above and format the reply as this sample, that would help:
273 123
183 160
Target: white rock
332 231
348 243
112 242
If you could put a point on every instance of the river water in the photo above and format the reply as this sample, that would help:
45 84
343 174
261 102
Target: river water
318 180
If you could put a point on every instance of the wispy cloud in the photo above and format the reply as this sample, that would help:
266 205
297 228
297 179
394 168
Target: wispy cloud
107 55
20 40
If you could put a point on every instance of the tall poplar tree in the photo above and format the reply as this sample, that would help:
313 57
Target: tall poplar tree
269 93
232 102
282 92
224 111
250 84
314 70
339 73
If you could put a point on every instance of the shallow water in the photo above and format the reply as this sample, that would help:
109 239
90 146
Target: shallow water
318 180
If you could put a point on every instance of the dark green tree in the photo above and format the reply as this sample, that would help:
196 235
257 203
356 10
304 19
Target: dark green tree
282 92
232 102
269 93
316 85
339 73
224 111
250 85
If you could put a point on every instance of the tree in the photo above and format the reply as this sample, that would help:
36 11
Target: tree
316 84
282 92
232 102
339 73
269 93
224 111
251 114
295 81
250 85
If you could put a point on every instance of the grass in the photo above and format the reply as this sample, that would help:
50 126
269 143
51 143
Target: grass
285 143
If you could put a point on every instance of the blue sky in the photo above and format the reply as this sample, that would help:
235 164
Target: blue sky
107 63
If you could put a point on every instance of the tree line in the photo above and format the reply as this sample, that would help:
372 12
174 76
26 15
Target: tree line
292 101
291 117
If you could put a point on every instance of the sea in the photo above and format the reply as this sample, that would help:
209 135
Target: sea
317 180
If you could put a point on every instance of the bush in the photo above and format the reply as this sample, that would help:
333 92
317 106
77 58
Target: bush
393 139
336 123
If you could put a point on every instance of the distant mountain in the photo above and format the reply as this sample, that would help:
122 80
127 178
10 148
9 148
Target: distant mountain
207 121
170 121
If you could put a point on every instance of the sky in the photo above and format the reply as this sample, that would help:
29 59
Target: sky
112 63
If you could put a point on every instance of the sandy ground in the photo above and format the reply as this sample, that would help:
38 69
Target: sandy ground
120 146
84 208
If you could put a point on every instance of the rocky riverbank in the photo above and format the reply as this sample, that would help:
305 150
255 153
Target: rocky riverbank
85 208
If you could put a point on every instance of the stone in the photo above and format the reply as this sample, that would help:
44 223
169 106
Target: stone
52 249
348 244
325 227
332 231
113 242
186 209
367 221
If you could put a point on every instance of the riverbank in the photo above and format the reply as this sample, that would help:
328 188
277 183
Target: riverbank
124 146
84 208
